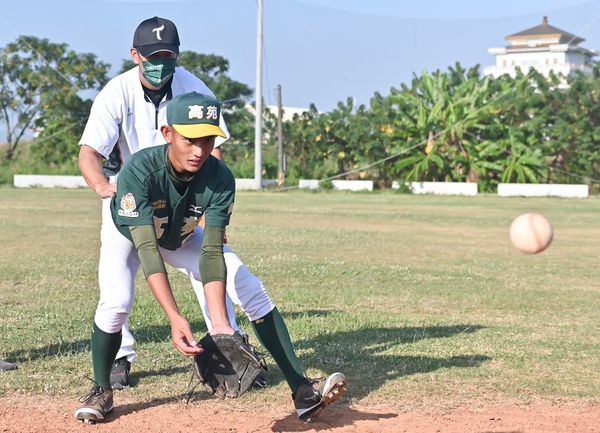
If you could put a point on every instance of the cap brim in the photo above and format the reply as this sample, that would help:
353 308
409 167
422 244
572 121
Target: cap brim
148 50
199 130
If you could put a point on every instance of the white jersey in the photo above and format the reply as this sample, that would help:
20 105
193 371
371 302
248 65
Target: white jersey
122 114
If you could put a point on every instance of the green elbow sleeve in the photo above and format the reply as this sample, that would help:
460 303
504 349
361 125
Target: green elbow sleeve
146 245
212 262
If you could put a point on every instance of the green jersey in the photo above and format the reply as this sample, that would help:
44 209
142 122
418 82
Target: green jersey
147 195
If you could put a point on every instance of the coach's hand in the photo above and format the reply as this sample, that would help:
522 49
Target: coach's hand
107 190
90 163
182 337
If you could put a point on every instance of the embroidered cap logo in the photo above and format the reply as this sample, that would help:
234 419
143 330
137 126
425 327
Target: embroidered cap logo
157 30
196 112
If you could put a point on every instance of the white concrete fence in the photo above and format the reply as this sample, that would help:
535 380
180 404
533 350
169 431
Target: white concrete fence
437 188
48 181
246 184
543 190
340 185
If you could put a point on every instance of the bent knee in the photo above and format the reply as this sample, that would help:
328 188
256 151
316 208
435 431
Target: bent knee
110 322
110 316
253 296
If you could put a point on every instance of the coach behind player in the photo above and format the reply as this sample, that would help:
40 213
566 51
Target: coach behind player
126 117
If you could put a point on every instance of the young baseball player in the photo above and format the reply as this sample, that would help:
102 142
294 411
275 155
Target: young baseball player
162 192
125 117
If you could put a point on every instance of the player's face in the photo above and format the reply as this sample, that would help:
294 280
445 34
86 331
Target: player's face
187 154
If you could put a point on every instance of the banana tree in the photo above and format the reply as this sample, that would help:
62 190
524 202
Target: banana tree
442 118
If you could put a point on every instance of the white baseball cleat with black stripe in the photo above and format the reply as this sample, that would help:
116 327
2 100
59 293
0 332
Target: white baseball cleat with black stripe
311 398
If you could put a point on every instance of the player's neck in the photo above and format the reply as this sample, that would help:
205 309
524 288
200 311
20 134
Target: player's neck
179 176
156 94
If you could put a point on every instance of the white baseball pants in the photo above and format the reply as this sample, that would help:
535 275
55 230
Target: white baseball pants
119 264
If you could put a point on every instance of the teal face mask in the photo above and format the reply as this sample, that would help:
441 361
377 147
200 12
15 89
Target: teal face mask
158 71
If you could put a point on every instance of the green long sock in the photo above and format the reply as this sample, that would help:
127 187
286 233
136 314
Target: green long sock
274 336
105 347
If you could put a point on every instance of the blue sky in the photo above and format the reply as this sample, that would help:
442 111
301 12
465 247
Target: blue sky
320 51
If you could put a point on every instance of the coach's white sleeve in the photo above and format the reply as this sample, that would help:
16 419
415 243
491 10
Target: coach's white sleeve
102 129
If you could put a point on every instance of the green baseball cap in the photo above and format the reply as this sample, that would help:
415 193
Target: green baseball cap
195 115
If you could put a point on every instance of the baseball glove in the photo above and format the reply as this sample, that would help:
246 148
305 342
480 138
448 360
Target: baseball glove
229 365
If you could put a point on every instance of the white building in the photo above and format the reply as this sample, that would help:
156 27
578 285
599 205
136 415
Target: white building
544 48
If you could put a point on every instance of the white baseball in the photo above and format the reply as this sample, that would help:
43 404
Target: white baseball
531 233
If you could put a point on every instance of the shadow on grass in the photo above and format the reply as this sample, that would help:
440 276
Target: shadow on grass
62 348
367 356
144 334
363 355
138 375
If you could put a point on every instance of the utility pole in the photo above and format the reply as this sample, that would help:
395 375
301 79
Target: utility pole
258 114
281 157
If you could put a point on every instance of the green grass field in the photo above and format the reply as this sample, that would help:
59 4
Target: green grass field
418 299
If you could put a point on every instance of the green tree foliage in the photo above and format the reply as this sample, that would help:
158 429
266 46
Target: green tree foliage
572 136
40 87
441 119
458 126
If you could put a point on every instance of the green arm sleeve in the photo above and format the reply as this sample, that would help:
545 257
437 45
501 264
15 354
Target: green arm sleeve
146 245
212 262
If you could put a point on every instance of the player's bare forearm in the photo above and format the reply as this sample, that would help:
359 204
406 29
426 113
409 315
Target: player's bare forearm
161 289
215 299
181 332
90 164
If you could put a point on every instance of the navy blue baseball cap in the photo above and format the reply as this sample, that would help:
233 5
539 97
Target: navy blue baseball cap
156 34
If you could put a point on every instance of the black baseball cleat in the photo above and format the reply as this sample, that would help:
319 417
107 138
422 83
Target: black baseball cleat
312 397
260 382
7 366
119 374
96 405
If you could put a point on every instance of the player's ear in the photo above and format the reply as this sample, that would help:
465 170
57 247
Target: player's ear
135 56
167 133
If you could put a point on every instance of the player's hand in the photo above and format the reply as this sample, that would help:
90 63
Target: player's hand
107 190
183 339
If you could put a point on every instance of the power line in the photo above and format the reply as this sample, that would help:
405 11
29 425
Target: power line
48 63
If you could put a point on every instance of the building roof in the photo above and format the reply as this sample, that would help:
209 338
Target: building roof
546 29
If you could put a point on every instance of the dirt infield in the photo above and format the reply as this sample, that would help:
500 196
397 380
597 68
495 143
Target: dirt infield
52 415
